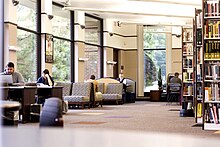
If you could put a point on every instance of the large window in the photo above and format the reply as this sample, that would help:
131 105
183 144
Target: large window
93 47
61 69
26 57
154 57
26 39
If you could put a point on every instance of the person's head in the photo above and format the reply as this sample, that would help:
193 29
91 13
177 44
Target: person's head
46 71
176 74
92 77
10 68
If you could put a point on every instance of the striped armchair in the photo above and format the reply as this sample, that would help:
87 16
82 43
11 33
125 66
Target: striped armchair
67 86
113 92
81 93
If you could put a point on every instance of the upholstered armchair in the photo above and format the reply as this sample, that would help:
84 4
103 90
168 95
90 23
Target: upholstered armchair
113 92
67 87
81 94
98 95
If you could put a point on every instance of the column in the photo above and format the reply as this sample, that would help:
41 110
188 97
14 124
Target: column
46 28
79 45
140 69
10 32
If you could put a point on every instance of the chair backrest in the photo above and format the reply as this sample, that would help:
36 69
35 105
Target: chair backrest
114 88
51 113
81 89
174 87
101 87
131 85
67 86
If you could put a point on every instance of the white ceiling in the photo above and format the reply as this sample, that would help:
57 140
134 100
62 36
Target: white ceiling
168 12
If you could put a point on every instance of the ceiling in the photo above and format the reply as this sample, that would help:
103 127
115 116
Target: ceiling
148 12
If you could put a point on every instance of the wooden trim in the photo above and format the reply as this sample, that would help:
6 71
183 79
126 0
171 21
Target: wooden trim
120 34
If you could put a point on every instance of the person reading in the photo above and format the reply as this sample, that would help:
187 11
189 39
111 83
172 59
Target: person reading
16 76
46 79
176 79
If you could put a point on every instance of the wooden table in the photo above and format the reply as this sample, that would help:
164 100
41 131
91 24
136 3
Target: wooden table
26 96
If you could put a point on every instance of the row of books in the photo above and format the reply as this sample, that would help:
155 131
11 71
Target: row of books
212 93
212 72
188 49
199 54
187 35
212 29
187 63
199 110
199 37
211 8
213 113
188 90
187 76
212 50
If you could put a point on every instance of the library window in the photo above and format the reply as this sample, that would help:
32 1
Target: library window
92 47
154 58
26 40
61 67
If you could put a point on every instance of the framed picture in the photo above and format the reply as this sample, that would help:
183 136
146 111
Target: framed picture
48 48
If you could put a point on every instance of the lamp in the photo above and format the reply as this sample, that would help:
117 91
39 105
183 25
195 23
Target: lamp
83 59
15 2
111 62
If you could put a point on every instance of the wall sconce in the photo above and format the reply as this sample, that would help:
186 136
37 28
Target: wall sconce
83 59
15 2
111 62
111 34
82 26
14 48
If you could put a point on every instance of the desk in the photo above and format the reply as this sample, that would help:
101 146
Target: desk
54 137
26 96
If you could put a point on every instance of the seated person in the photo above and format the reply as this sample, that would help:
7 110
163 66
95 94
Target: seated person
17 77
95 83
46 79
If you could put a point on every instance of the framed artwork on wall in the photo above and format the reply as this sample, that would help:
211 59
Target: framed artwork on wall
49 48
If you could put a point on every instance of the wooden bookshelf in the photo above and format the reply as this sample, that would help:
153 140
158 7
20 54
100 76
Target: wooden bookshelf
198 63
187 66
211 64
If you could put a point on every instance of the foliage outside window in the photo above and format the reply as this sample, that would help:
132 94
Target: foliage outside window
26 14
61 23
26 40
61 68
154 58
26 57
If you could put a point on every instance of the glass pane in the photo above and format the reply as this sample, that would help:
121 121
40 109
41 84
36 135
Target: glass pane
61 22
27 57
153 60
61 66
92 66
92 32
26 14
154 40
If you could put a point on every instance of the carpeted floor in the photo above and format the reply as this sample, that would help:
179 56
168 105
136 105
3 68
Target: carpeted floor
143 116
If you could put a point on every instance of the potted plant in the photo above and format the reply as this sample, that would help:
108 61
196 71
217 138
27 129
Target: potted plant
159 79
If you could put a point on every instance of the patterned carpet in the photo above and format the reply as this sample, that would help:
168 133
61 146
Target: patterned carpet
142 116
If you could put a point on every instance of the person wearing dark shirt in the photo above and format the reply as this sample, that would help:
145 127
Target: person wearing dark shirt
46 79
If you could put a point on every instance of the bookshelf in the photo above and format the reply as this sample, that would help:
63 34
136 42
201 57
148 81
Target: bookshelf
211 65
198 64
187 68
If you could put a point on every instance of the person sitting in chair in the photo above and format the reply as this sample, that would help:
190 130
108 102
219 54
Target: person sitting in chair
46 79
